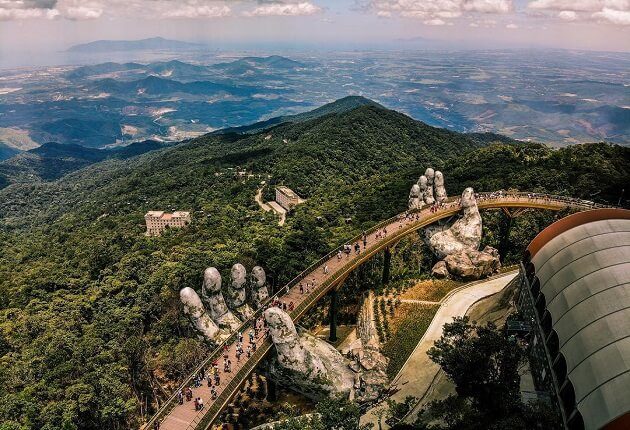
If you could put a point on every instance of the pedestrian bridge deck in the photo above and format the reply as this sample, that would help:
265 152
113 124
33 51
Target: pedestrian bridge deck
173 416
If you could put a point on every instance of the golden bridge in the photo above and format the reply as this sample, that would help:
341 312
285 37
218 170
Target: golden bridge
175 416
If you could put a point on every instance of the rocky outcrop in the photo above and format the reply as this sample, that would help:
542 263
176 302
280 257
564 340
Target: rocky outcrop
440 270
259 292
366 357
310 365
194 308
213 297
472 264
236 293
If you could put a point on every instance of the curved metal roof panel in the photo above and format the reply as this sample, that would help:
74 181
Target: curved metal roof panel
584 275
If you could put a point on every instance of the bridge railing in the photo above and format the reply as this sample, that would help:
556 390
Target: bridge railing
170 403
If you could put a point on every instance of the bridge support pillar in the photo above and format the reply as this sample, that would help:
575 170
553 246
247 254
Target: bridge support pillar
333 316
272 390
387 263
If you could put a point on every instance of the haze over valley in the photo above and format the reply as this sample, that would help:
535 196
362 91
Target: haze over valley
555 97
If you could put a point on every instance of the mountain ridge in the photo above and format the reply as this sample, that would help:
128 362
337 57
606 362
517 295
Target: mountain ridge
152 43
53 160
343 104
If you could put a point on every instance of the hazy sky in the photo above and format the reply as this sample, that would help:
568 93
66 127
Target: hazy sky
33 25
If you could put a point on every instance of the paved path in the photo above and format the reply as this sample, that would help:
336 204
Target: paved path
419 302
264 206
282 212
419 371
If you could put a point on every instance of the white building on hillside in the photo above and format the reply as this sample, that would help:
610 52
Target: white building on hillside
158 221
287 198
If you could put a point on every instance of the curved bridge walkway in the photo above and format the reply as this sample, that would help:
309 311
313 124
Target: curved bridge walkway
174 416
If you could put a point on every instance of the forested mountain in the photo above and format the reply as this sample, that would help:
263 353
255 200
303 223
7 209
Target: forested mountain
53 160
342 105
90 320
7 151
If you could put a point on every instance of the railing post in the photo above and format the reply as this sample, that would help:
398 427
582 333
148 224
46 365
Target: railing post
387 262
333 315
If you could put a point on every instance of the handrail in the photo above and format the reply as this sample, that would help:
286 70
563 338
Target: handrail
316 293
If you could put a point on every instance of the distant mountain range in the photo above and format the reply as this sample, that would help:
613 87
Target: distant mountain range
7 151
155 85
103 68
154 43
52 160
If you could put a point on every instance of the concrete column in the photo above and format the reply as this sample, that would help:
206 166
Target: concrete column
333 316
272 390
387 263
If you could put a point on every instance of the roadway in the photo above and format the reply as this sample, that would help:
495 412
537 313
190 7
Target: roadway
418 372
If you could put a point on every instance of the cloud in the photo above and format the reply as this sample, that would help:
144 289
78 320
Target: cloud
488 6
579 5
435 21
435 12
26 9
79 10
285 9
511 26
568 15
605 11
204 11
50 9
619 17
7 14
146 9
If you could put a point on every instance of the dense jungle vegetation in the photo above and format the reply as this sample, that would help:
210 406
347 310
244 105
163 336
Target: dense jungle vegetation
90 321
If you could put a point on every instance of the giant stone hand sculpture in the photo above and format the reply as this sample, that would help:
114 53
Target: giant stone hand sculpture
236 294
428 190
194 308
309 364
465 233
211 293
428 194
440 189
415 197
259 291
458 244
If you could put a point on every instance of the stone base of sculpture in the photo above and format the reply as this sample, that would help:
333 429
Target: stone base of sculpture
457 243
471 264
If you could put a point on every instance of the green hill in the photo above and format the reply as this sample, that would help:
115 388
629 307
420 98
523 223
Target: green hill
7 151
52 160
90 319
339 106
